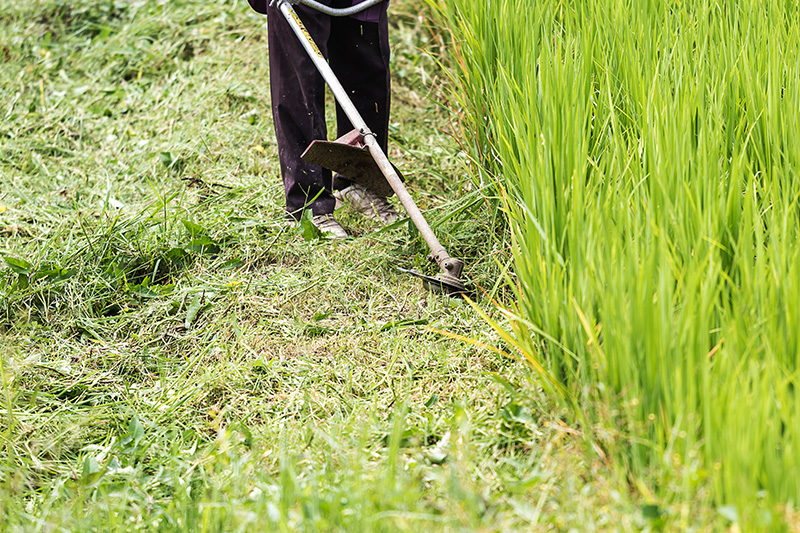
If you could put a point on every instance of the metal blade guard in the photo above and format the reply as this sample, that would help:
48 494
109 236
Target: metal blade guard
349 156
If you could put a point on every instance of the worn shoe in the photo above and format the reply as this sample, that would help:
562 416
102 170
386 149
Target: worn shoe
328 224
366 202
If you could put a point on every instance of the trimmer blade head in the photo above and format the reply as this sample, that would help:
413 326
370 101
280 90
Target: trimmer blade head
350 157
440 285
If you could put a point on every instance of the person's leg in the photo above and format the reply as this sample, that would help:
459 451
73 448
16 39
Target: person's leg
298 110
359 55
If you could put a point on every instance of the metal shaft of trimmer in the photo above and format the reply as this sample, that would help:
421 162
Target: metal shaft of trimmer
448 265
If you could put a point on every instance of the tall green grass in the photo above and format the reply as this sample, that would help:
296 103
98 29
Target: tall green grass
646 154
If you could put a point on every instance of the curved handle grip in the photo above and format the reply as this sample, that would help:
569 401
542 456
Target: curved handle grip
343 12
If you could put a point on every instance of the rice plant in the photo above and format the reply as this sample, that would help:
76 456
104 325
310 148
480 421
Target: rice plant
646 153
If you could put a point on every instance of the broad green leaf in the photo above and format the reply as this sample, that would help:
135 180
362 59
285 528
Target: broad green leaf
90 466
194 309
194 229
136 429
203 245
306 227
167 159
20 266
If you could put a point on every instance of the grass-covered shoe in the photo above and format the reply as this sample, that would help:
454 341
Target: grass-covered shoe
366 202
328 224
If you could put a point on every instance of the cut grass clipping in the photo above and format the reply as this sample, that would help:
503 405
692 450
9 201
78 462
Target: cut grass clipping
646 155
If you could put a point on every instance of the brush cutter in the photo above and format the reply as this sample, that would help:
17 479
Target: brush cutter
358 155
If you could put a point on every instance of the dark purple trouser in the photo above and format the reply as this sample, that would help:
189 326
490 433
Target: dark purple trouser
358 52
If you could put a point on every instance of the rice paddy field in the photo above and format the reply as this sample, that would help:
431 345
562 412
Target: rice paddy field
646 156
619 176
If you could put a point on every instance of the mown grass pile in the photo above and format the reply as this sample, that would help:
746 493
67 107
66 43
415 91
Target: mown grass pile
646 154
